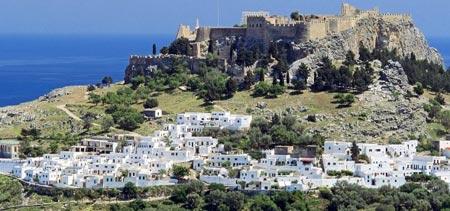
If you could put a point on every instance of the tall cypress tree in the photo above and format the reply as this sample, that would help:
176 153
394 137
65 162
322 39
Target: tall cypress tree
281 78
288 77
154 49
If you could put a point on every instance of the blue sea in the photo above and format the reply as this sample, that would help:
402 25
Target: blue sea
33 65
443 46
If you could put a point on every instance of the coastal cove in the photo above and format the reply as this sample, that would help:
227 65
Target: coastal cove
33 65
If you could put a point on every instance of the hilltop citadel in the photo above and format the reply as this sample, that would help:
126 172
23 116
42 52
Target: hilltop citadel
304 36
260 28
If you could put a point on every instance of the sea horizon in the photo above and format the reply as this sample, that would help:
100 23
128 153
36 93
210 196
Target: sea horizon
31 65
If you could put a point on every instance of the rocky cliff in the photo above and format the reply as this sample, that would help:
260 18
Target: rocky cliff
372 33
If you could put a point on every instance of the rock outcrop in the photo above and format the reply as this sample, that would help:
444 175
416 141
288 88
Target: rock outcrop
385 111
372 33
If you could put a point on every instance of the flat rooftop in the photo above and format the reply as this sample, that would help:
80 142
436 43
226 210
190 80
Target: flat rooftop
9 142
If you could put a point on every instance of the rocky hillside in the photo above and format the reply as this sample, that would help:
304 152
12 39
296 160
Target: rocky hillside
372 33
385 112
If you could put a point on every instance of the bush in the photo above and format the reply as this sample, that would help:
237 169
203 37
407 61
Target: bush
344 100
180 171
440 99
261 89
180 46
90 88
418 89
325 193
276 90
129 191
151 103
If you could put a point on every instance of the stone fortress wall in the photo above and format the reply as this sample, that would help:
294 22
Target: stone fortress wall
261 28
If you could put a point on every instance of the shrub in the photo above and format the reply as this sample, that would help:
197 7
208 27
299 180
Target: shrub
418 89
90 88
325 193
151 103
261 89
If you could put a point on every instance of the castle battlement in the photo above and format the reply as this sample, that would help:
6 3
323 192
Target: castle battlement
396 14
285 25
317 21
262 28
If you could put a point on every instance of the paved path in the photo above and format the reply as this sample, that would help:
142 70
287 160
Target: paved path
63 108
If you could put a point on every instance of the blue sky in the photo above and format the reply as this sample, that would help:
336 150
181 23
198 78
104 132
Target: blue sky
164 16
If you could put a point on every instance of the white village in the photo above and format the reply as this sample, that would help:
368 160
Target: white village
100 162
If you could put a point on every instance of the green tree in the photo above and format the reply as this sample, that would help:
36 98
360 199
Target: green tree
364 53
261 89
231 87
235 200
180 171
137 81
355 151
54 146
128 118
193 201
276 90
151 103
179 194
214 87
439 98
90 88
10 192
418 89
325 76
154 49
95 98
210 46
302 72
137 205
180 46
33 132
288 78
344 100
143 92
214 199
106 123
444 118
263 203
276 119
249 80
289 122
88 120
295 16
362 78
216 186
261 74
350 59
107 80
164 50
129 191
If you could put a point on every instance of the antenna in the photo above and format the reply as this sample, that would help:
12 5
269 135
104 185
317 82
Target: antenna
218 13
